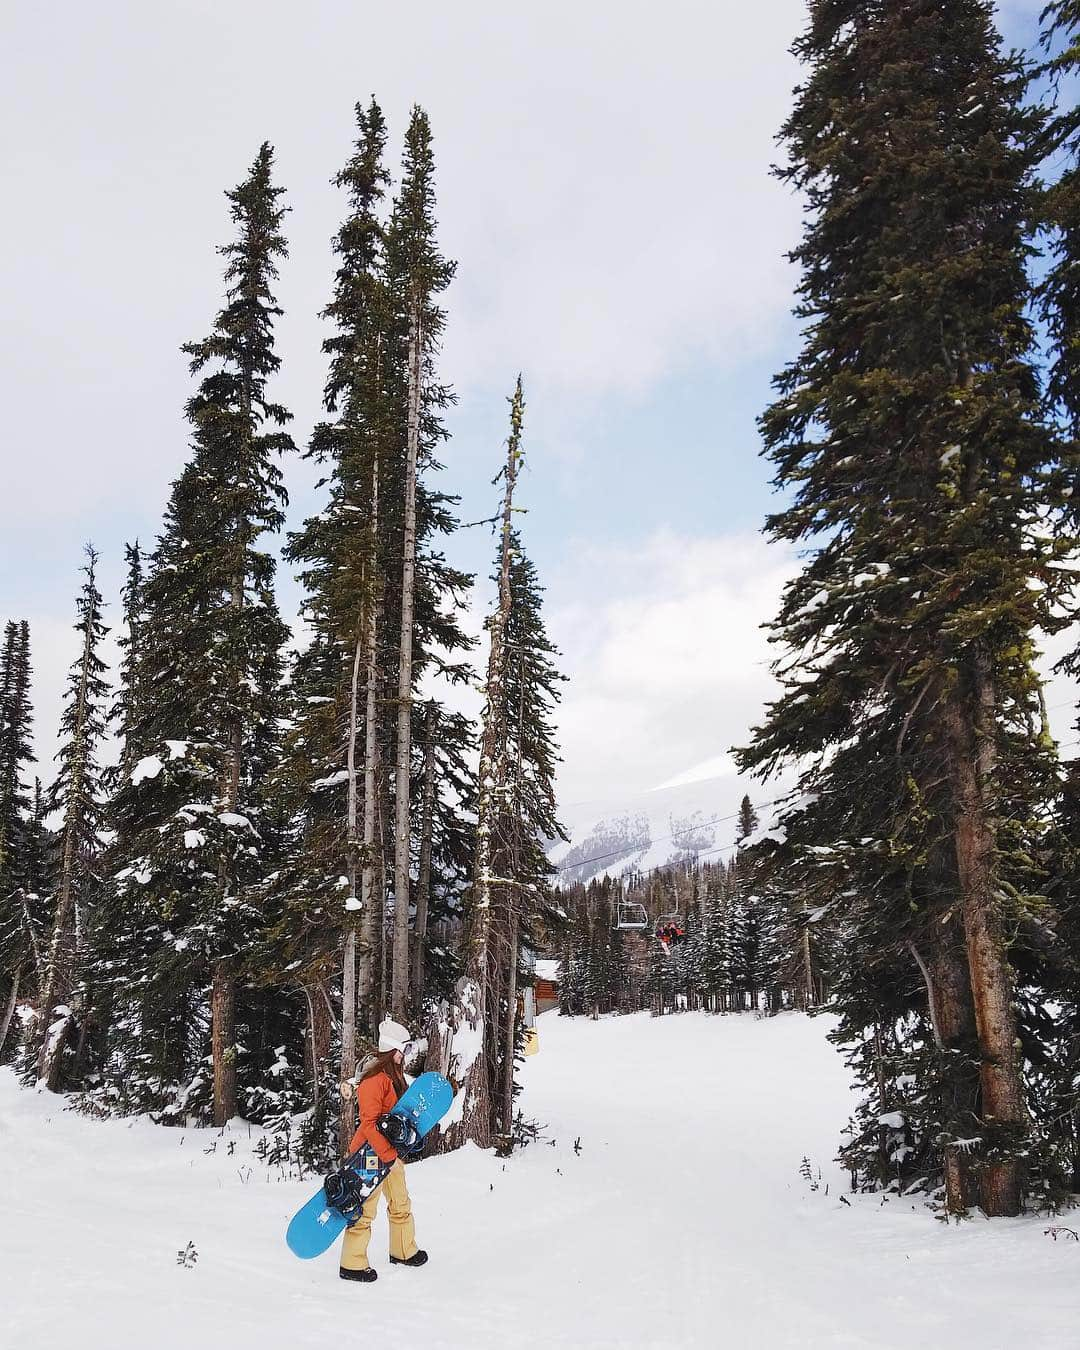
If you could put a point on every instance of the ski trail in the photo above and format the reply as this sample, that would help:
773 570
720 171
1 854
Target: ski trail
682 1222
694 1129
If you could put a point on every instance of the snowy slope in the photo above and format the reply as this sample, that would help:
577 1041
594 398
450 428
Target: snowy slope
682 1222
692 814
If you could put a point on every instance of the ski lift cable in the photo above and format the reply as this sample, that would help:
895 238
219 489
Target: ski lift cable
699 825
689 829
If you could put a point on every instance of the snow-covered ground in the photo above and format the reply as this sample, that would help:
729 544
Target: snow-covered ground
682 1222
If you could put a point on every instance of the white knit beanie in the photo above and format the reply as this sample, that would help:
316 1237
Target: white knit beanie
393 1036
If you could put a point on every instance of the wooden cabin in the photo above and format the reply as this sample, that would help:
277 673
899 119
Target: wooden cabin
546 985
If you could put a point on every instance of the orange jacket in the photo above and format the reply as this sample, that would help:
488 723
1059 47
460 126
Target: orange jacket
375 1095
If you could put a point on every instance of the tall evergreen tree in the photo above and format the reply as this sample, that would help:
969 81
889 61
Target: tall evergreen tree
713 941
1053 1048
347 685
16 750
531 692
490 918
126 710
192 813
753 949
22 922
910 433
77 796
418 274
510 900
333 750
1061 290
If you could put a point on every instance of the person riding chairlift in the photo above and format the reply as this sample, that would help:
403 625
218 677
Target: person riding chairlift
670 934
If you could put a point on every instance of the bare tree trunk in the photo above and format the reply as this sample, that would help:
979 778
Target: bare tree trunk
403 768
58 970
82 1045
347 1115
952 1017
35 950
223 1017
468 1067
372 903
383 948
808 965
347 1118
317 1047
511 1030
439 1039
9 1011
423 881
515 903
959 1040
223 1000
223 994
971 765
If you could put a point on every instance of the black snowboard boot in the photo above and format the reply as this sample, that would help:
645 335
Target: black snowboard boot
364 1276
417 1259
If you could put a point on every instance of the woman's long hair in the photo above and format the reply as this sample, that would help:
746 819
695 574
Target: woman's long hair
385 1063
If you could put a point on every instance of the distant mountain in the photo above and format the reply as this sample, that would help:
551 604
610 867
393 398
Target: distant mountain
691 815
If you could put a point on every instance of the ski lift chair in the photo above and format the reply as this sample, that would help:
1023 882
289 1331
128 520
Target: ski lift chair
630 916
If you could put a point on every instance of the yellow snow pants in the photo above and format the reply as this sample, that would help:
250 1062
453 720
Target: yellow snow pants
402 1230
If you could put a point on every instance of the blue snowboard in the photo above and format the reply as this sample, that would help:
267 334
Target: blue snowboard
314 1228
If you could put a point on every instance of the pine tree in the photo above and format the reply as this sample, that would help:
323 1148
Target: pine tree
347 712
1061 289
16 720
112 941
334 747
77 797
754 949
510 900
531 691
492 930
127 710
1052 937
911 432
22 922
748 820
574 958
417 275
192 815
714 955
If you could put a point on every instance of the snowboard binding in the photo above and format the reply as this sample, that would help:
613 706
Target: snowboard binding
401 1132
346 1190
338 1203
343 1193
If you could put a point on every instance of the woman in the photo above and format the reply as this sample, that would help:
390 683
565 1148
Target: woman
381 1084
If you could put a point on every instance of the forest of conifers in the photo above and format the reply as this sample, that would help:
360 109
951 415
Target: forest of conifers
250 853
200 913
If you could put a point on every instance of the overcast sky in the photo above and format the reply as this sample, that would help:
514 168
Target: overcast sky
603 184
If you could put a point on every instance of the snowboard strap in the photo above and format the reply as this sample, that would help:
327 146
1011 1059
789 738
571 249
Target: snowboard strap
400 1131
342 1190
